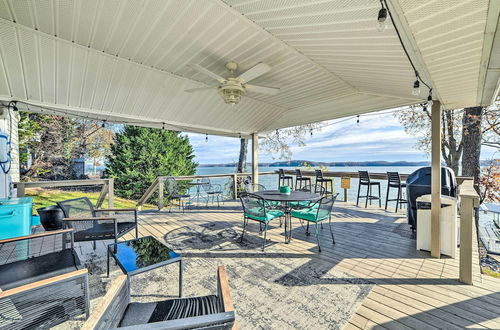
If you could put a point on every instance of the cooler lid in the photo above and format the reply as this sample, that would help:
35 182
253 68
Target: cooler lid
16 201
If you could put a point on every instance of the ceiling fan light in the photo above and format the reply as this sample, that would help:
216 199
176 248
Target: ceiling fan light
231 94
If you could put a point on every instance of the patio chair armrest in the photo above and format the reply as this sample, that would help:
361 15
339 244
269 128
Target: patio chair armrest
46 233
89 219
24 305
117 210
111 308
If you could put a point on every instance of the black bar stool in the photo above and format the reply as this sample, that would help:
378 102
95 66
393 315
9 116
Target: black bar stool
285 180
321 180
364 180
394 181
299 179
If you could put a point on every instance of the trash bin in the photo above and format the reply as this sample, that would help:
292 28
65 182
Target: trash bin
448 224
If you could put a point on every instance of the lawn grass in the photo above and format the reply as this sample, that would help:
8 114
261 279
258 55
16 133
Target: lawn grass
45 197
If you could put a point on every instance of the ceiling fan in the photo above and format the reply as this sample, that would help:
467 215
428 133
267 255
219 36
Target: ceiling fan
234 87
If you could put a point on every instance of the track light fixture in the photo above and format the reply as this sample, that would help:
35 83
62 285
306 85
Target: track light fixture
382 18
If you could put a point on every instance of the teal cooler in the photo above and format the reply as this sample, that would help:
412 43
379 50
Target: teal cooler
15 217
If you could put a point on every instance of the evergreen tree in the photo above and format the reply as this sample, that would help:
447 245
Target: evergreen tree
139 155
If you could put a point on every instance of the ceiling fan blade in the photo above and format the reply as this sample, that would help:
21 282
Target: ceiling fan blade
262 89
206 72
254 72
199 89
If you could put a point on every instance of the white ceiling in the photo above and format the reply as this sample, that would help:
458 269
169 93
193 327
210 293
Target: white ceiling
127 60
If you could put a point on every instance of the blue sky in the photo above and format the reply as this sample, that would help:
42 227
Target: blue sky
377 137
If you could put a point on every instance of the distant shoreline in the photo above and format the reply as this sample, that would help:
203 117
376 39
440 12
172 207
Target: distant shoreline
303 163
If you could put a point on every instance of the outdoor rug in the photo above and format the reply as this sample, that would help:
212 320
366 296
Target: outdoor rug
271 290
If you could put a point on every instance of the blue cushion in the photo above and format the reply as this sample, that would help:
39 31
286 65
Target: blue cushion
270 215
311 214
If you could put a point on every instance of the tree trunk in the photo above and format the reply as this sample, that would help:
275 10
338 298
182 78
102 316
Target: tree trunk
242 161
471 138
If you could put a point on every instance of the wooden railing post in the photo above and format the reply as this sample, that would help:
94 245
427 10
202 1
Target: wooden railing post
111 193
160 193
469 200
235 186
21 189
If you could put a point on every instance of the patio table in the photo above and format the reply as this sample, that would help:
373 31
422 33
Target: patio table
198 195
286 200
139 255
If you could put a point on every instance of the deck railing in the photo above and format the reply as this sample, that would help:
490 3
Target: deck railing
108 188
159 184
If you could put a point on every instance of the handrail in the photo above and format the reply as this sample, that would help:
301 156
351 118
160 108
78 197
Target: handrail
158 185
469 200
108 188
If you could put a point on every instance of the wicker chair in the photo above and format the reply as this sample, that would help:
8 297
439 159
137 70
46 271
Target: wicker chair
208 312
81 215
42 282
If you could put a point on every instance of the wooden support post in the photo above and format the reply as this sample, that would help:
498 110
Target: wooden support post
235 186
160 193
436 179
21 189
345 195
469 200
255 158
111 193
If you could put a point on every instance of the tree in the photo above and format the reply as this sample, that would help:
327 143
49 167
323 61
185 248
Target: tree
139 155
242 160
416 120
471 138
48 142
94 140
277 143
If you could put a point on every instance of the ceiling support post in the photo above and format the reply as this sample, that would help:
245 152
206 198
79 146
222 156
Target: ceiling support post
436 179
255 158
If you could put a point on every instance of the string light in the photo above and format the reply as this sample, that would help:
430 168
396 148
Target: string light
382 18
163 126
357 121
416 88
206 138
311 131
382 21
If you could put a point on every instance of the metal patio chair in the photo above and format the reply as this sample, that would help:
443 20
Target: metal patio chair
254 187
299 179
88 225
257 209
207 312
364 180
213 190
284 180
42 282
318 213
174 193
394 181
323 181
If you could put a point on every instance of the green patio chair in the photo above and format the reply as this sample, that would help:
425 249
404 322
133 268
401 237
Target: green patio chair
255 208
316 188
318 213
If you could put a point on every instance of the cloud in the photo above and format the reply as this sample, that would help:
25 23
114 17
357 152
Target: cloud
376 137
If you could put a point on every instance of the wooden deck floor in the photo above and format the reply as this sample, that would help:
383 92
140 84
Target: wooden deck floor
412 289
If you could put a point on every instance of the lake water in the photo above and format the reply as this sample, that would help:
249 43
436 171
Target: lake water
271 181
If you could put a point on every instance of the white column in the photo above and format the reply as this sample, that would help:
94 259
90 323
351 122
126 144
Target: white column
255 158
436 179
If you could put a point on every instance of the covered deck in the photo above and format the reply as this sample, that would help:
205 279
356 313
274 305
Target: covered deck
374 267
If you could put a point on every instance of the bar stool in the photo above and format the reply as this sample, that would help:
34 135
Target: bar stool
364 180
321 180
299 179
285 180
394 181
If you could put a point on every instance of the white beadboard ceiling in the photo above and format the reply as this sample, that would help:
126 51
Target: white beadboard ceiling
126 60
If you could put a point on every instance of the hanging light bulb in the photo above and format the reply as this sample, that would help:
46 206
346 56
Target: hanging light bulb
416 88
357 121
206 137
311 131
382 18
